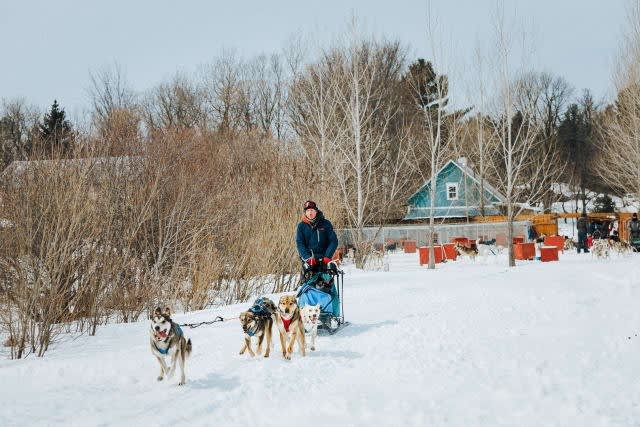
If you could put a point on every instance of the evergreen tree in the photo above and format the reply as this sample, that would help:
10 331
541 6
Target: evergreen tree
604 204
575 138
422 82
56 134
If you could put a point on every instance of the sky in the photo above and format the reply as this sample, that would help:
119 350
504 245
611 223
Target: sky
50 48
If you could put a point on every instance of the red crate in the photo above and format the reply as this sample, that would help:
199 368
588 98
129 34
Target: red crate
409 246
462 240
557 241
423 252
450 251
548 253
524 251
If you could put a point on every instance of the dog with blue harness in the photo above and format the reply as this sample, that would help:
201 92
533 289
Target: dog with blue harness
167 339
257 322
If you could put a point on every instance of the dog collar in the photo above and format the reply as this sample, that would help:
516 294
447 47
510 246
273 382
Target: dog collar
286 323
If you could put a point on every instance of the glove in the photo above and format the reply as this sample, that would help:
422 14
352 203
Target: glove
311 261
326 260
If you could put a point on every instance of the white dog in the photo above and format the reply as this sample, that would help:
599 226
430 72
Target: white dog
310 315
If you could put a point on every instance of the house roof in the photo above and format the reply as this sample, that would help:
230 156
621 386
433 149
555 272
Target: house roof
469 172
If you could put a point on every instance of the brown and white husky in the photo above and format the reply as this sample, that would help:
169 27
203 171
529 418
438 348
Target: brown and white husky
167 340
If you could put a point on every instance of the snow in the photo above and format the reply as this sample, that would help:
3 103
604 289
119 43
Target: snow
469 344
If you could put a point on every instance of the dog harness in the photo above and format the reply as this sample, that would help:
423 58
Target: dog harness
286 323
259 308
261 312
178 333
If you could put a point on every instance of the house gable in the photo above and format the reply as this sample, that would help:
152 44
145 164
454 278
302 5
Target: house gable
457 195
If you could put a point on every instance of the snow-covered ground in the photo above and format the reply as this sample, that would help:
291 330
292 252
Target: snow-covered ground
469 344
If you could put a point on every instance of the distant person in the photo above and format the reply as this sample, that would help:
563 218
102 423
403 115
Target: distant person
582 226
634 231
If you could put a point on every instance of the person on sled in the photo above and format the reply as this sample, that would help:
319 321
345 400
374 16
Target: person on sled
315 239
316 242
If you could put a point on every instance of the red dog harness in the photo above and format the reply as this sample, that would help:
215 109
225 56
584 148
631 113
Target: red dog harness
286 323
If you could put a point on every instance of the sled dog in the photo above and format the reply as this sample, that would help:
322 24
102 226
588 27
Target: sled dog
622 247
463 250
569 244
290 325
310 315
258 322
600 248
167 340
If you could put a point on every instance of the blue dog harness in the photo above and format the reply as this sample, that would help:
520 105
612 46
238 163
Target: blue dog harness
178 333
259 309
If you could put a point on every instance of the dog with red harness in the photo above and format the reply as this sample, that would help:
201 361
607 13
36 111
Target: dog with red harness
290 325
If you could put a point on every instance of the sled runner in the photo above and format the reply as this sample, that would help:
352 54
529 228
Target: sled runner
323 285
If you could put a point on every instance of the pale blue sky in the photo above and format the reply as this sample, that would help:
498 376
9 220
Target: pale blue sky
48 47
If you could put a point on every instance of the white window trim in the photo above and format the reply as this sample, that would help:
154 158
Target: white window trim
451 184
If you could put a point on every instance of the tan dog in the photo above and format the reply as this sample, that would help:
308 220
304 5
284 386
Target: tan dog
310 315
463 250
622 247
290 325
258 322
569 244
167 340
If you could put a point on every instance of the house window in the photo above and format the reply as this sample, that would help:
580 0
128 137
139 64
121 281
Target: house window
452 191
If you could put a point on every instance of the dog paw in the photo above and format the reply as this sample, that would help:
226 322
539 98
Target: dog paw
313 348
160 378
181 382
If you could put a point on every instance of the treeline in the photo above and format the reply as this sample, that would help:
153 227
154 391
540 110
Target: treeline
190 193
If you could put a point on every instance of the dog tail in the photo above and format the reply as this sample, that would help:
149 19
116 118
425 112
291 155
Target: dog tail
189 347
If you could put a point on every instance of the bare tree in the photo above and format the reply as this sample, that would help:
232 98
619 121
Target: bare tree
619 157
345 110
517 132
367 72
226 93
109 91
176 105
269 94
18 123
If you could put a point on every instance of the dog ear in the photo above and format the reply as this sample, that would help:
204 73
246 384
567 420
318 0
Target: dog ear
157 312
167 312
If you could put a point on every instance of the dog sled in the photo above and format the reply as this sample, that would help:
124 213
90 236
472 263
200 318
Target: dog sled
323 285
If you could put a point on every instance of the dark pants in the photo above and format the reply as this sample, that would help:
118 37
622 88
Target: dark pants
582 241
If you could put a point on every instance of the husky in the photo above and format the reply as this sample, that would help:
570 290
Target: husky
471 252
569 244
600 248
290 325
258 322
167 340
310 315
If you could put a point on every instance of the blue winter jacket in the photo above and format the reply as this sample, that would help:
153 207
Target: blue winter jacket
316 239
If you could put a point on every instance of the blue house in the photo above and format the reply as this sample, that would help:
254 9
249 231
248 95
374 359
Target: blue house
457 195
